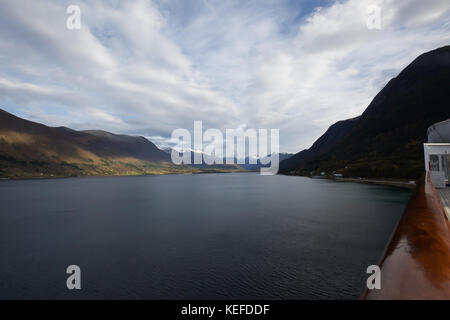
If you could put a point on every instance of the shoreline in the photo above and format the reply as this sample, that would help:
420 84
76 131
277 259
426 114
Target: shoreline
48 177
384 182
391 182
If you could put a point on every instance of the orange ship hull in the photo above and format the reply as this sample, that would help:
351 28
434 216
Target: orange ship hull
416 262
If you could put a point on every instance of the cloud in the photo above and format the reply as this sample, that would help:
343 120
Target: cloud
149 67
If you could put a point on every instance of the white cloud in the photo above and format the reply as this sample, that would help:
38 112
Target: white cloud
143 67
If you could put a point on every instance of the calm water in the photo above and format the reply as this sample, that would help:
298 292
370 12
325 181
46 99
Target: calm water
216 236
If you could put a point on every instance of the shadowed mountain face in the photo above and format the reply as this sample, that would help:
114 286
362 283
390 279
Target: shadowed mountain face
28 149
107 144
386 140
335 134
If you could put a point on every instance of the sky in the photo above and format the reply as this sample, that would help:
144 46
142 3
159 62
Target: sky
149 67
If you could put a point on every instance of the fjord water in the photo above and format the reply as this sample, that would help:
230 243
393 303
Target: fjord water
207 236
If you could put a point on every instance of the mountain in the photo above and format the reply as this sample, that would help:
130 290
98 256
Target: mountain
29 149
335 134
386 140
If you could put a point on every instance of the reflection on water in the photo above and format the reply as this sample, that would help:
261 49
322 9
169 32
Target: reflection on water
211 236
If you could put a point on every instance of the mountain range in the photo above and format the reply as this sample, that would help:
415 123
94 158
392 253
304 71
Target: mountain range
29 149
387 139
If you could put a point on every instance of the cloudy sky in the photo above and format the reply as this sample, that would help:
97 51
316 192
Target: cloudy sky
148 67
